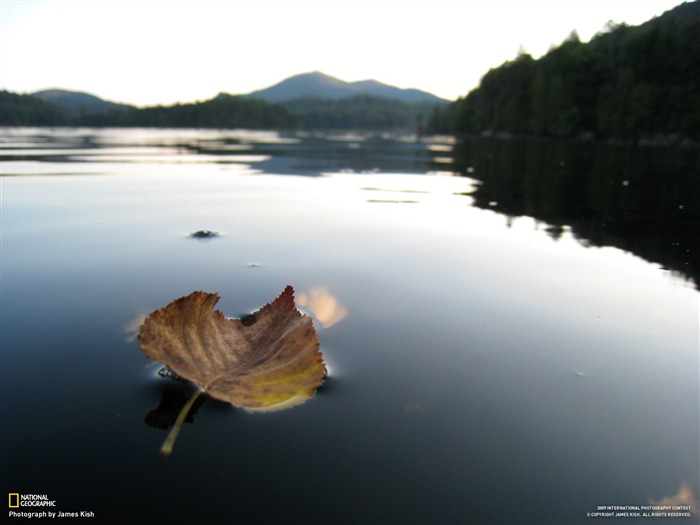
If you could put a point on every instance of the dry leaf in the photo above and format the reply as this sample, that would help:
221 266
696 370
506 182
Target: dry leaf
269 360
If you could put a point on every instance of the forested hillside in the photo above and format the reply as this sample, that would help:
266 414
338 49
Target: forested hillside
627 83
26 110
223 111
359 112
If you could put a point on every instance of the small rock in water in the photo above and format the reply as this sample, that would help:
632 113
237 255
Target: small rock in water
204 234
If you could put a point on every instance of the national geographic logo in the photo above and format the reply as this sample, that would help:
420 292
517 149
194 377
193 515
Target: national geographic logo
34 506
17 500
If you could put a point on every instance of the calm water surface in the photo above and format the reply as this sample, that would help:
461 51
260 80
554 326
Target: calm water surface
500 351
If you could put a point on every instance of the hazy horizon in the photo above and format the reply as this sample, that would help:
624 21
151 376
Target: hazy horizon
151 52
78 90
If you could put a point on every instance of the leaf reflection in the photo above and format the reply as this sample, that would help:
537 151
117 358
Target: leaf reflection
171 402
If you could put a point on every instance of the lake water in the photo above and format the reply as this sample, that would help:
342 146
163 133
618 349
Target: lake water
511 329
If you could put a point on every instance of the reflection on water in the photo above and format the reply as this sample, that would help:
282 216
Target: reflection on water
640 200
325 308
502 334
171 402
269 152
684 501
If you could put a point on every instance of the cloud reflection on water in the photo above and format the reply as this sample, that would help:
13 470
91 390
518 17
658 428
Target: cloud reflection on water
683 498
325 307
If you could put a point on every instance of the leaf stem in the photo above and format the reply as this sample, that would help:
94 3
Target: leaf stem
169 442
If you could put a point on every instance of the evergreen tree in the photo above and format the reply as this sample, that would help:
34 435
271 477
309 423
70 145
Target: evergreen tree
628 82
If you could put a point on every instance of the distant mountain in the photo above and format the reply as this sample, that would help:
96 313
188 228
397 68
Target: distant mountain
308 101
409 95
320 85
78 102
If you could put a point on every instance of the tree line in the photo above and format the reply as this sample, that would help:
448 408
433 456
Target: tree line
223 111
26 110
626 83
360 112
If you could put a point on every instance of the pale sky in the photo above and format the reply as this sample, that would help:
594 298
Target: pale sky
147 52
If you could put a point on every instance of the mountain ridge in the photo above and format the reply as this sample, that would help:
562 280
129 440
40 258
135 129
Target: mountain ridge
316 84
302 86
78 101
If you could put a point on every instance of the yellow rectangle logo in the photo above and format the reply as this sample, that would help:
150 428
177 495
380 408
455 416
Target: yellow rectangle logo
13 500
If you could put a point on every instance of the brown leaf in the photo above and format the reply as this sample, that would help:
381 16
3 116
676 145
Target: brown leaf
267 361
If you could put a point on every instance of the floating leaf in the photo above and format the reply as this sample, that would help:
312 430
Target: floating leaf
269 360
